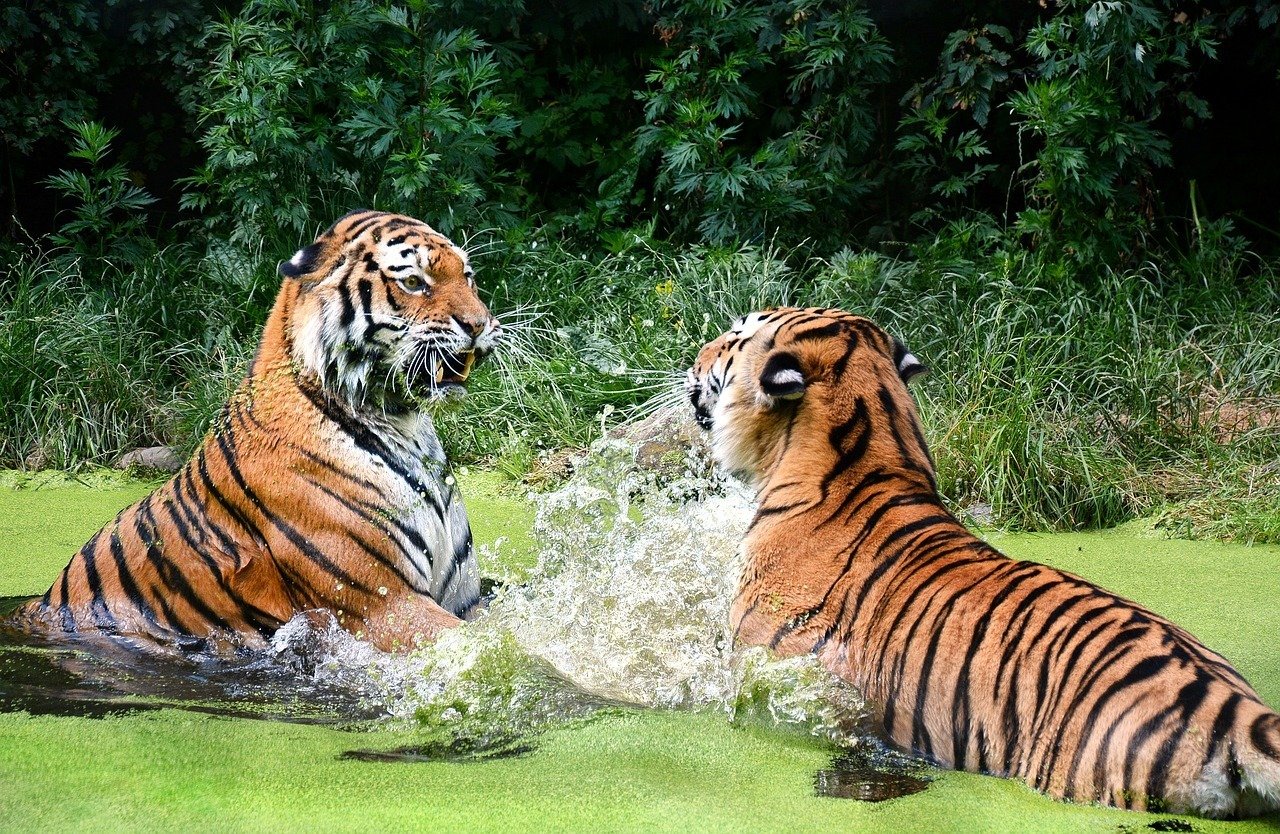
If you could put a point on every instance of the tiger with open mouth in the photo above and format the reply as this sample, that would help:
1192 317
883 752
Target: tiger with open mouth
322 485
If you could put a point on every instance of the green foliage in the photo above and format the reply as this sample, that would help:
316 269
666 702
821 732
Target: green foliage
629 177
1093 102
116 63
306 118
109 220
758 114
1055 404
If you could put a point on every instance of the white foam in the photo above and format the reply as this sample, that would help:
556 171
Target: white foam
629 602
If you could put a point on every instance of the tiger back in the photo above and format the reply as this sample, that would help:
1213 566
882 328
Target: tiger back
322 484
971 659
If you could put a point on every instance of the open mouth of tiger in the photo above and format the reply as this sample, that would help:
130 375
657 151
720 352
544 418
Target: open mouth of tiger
446 373
454 368
433 376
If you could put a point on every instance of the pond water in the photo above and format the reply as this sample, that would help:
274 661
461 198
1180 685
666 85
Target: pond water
555 708
627 605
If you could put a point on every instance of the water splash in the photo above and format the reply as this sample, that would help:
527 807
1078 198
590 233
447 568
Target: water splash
629 604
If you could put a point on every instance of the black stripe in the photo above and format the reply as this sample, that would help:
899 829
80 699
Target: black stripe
1101 783
839 434
176 580
370 518
1222 726
1026 607
824 331
1047 698
367 441
237 516
1189 700
297 539
150 541
892 681
102 617
962 707
187 520
356 230
344 293
1143 670
1263 739
894 414
64 608
874 478
920 732
127 583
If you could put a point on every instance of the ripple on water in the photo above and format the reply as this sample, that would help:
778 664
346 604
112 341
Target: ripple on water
870 773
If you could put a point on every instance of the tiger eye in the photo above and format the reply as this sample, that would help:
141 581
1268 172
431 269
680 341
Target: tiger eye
412 283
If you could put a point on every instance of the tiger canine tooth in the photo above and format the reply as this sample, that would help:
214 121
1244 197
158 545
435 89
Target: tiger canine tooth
468 359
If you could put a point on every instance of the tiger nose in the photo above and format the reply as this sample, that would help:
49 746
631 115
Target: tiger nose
471 325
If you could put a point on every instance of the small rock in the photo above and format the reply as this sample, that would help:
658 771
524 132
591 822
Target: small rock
663 439
162 458
980 513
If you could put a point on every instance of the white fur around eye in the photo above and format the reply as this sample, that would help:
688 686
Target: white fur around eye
747 326
394 258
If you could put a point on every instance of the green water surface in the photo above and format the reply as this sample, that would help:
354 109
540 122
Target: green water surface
638 770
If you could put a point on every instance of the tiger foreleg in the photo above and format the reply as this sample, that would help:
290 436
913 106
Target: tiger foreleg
408 622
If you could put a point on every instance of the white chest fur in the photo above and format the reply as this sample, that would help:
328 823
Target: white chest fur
422 511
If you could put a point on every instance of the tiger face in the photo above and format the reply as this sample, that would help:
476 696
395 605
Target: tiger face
747 386
387 314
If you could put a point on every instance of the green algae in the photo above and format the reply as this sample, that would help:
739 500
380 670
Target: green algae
46 517
625 770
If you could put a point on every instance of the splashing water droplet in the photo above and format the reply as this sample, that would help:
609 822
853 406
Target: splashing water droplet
629 603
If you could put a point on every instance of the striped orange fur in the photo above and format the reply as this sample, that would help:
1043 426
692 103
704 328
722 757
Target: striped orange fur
973 660
322 484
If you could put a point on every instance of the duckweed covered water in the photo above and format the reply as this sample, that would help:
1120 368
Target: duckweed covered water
579 759
627 605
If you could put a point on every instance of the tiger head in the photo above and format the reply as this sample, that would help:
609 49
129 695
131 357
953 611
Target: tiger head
751 385
385 312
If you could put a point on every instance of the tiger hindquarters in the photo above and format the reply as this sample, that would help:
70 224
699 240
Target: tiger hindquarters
1247 769
974 660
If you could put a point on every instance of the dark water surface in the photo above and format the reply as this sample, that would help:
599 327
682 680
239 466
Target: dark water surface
96 676
871 773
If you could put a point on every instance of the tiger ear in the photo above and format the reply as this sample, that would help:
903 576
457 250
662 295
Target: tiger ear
909 366
303 262
782 378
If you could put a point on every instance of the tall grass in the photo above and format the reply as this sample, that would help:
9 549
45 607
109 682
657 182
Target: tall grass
98 358
1054 401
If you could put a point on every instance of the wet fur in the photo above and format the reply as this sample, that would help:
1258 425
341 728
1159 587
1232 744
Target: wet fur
322 484
974 660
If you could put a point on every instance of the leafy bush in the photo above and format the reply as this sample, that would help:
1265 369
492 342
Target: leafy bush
759 114
109 220
312 112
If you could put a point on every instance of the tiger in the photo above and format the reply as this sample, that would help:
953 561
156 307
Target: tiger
968 658
322 485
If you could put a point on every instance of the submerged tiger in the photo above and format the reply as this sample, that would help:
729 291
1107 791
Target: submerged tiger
971 659
322 485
